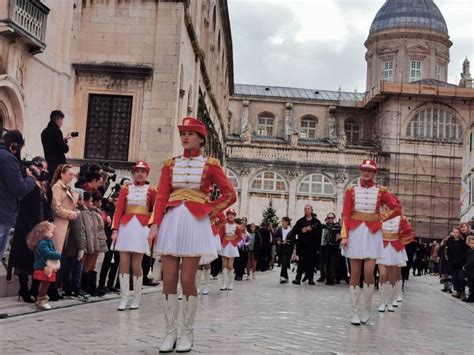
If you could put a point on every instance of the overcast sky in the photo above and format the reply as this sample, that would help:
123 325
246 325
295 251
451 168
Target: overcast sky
319 44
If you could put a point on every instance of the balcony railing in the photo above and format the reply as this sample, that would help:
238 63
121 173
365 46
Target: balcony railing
26 19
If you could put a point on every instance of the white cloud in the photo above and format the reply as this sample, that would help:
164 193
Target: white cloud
320 43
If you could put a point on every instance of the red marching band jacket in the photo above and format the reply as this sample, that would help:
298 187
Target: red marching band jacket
233 238
404 236
217 221
124 211
196 201
351 218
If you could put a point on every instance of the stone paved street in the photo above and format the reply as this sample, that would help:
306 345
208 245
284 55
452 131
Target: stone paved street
259 316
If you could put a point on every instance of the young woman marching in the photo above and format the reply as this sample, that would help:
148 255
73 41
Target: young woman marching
216 223
397 232
362 235
130 231
231 235
185 235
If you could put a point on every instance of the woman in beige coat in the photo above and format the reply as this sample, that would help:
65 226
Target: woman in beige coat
63 203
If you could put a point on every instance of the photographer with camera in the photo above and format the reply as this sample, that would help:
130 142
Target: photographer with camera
32 211
309 230
55 146
13 185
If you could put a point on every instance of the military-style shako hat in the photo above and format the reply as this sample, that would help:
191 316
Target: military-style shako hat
369 164
141 164
231 211
190 124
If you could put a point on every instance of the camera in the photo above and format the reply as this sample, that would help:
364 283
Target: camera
42 175
74 134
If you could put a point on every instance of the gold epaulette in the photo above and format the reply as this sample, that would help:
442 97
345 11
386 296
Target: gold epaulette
350 188
168 162
152 188
213 161
383 188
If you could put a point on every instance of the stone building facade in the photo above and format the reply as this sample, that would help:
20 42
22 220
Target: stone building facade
123 71
303 146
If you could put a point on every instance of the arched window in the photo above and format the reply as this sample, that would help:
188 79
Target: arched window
233 178
265 124
214 19
353 130
268 181
435 122
309 126
316 184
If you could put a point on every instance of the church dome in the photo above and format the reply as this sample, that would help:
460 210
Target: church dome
409 13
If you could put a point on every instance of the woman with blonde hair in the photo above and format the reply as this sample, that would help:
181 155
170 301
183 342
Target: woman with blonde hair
46 260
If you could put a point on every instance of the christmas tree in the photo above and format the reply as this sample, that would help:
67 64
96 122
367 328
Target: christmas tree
269 215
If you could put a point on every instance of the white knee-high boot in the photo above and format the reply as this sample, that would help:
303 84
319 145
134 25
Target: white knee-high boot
383 296
170 308
354 292
391 294
137 292
185 341
366 310
124 290
230 283
224 279
207 275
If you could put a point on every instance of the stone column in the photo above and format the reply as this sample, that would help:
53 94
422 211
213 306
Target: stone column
245 116
293 181
340 183
289 129
244 192
332 124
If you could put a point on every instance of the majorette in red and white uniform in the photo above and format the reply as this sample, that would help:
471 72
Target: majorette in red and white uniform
132 214
362 217
182 210
230 235
397 232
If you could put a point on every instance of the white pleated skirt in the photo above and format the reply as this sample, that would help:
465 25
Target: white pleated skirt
391 257
363 244
133 237
404 257
183 235
229 251
217 240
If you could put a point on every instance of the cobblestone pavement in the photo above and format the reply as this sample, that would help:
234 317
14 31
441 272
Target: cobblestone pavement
258 316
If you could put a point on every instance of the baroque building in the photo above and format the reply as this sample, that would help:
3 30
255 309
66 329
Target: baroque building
298 146
123 71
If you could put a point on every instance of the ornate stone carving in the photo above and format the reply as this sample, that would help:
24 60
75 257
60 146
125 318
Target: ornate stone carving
342 141
292 174
341 178
332 126
293 139
244 171
246 136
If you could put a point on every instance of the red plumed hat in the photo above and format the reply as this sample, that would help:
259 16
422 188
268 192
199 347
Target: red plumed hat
191 124
369 164
231 211
141 164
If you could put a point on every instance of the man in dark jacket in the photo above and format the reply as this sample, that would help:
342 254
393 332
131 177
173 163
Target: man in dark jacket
13 186
309 230
331 243
55 146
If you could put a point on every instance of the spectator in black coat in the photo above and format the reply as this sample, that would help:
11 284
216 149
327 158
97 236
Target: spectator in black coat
468 269
55 146
457 253
309 230
32 211
13 185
